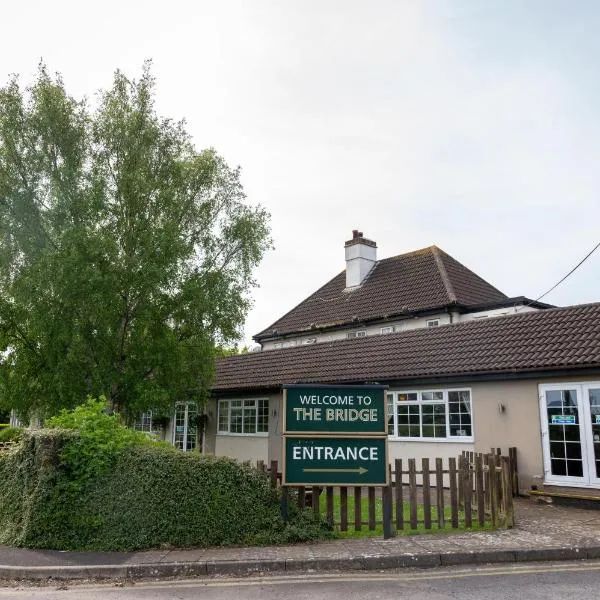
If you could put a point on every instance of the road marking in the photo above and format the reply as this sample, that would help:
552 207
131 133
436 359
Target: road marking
343 577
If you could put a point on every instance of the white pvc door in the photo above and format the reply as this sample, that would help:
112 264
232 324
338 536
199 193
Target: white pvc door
184 429
570 415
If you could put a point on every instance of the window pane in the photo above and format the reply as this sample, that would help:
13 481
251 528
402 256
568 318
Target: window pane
250 415
390 413
459 405
410 397
263 416
429 396
409 420
434 420
235 417
224 415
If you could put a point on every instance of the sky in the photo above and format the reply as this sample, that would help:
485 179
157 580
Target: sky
472 125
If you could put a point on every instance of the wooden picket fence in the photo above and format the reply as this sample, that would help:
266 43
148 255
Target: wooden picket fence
473 490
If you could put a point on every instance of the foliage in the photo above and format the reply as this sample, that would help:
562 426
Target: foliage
101 435
151 497
126 255
10 434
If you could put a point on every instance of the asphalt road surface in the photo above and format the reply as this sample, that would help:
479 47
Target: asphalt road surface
580 581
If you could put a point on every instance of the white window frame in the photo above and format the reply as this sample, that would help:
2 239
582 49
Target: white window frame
243 433
419 402
433 322
145 424
361 333
387 330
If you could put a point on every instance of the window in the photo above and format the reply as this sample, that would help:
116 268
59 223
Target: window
430 415
244 417
309 341
433 323
356 334
146 424
387 330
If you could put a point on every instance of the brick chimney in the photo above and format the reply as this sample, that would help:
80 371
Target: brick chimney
361 256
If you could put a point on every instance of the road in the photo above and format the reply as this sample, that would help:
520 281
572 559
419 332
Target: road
556 581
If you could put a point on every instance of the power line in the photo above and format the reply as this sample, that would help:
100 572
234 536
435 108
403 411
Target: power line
571 271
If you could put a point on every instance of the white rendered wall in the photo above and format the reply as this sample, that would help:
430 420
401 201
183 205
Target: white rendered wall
399 325
242 447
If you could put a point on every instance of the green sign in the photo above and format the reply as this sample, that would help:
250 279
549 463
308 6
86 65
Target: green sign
357 410
564 420
321 460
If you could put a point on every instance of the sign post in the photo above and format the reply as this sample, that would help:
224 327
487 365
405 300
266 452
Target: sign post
336 436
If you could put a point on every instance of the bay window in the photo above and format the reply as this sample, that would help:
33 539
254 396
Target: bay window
430 415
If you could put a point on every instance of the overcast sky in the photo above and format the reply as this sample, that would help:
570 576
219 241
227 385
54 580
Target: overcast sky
473 125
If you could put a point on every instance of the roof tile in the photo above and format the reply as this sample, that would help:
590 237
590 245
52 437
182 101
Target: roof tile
558 338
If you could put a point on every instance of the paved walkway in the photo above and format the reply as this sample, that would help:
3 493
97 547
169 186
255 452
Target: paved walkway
543 532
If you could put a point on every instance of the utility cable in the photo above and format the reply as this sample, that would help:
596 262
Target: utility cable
570 272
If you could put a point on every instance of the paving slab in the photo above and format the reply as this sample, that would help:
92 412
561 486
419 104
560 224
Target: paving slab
543 532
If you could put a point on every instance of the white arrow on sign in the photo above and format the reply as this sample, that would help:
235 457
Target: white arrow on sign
359 470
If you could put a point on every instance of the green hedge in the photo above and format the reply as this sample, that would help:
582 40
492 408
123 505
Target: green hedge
149 496
10 434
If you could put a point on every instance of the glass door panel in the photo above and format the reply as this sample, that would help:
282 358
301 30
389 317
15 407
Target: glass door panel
593 402
184 431
565 444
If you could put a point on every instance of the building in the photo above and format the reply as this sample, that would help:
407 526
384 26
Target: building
425 288
467 367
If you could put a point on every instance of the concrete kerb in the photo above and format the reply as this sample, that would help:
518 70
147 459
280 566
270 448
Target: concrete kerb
248 567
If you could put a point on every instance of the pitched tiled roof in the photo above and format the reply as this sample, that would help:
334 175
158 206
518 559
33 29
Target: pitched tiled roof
559 338
418 281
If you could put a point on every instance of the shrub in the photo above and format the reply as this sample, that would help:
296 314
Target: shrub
10 434
101 488
101 436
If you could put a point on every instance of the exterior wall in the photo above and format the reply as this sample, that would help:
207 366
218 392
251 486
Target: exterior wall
342 334
505 413
497 312
518 424
398 325
241 447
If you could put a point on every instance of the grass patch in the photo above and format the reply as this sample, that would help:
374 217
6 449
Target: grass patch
378 531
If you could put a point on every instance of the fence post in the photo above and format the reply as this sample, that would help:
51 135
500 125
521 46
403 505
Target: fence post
273 474
514 470
465 481
453 491
412 484
399 496
479 490
493 490
284 503
426 493
386 494
329 493
460 486
344 508
439 489
371 496
509 512
315 499
301 498
357 509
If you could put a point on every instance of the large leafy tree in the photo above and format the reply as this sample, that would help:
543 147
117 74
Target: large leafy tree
126 255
